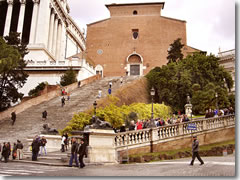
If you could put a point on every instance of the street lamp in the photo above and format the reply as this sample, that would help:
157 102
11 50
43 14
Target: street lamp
95 107
152 93
216 95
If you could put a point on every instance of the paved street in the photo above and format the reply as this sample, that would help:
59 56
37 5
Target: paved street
214 166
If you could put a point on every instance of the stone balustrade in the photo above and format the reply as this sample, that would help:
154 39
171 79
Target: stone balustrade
138 137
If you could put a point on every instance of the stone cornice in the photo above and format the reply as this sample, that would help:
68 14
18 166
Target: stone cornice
10 2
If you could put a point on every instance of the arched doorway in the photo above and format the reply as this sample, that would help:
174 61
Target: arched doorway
135 65
99 69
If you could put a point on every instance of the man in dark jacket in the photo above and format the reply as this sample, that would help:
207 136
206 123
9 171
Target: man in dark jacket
44 115
195 147
74 153
35 148
5 152
82 152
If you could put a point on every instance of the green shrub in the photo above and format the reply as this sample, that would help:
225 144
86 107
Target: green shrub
37 90
116 116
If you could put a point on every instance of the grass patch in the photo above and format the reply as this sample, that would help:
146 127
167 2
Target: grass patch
174 152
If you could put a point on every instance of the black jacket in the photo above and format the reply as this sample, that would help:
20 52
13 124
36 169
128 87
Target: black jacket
74 148
19 145
82 149
5 151
35 145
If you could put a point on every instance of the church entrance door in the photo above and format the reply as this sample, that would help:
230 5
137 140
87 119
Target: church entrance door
135 70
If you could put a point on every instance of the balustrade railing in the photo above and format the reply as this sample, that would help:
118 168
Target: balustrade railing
173 130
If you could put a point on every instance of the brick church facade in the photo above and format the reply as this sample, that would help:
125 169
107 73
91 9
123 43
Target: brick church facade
134 39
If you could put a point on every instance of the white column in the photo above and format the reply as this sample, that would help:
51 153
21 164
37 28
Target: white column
54 36
34 21
42 27
58 42
8 18
50 36
21 16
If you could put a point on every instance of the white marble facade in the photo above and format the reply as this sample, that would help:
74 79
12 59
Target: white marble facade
51 34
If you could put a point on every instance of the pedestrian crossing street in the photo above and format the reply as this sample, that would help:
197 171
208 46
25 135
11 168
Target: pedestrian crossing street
27 170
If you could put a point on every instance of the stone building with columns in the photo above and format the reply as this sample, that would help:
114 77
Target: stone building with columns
135 39
52 37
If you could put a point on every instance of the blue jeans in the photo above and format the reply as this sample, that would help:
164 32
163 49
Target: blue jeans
41 148
73 156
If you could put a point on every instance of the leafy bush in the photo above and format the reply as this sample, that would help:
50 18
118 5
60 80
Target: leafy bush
68 77
37 90
117 115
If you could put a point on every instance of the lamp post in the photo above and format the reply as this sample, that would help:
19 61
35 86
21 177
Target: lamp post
216 95
152 93
95 107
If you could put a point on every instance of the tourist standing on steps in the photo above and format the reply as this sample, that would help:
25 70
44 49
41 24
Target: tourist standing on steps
110 84
14 116
0 152
19 150
63 143
5 152
35 148
63 101
81 152
121 80
109 91
14 151
79 84
44 115
195 148
74 153
43 143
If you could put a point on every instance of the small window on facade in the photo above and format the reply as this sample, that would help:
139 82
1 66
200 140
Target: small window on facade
135 33
135 12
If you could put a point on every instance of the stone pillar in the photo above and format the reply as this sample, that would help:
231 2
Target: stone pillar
34 21
8 18
42 27
180 129
58 42
54 36
21 16
102 146
188 110
50 35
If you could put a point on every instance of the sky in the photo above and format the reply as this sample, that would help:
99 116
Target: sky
210 23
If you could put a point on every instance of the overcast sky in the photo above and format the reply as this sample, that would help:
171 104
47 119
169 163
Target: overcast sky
210 23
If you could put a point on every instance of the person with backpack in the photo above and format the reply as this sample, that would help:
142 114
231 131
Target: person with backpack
43 143
19 150
81 152
74 153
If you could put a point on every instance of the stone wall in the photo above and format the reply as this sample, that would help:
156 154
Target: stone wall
185 142
45 97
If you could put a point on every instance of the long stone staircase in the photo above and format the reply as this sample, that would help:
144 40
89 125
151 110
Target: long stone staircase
29 122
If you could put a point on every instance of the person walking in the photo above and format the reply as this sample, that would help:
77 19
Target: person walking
81 152
43 143
63 101
74 153
19 150
44 115
195 148
13 117
110 84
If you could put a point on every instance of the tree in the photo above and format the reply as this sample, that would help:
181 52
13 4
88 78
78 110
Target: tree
68 77
198 75
12 74
175 51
